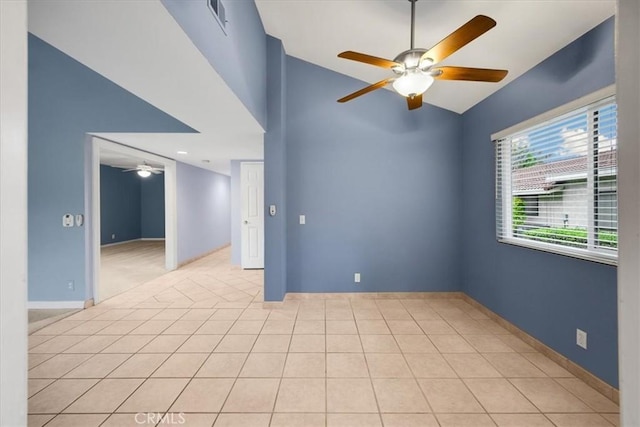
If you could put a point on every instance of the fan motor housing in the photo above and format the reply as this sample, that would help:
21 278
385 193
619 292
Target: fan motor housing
411 59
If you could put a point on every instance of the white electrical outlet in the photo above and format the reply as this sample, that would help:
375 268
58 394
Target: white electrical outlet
356 277
70 285
581 338
303 220
113 236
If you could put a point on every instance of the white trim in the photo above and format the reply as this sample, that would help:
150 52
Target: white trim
124 242
215 15
141 239
628 80
556 112
602 258
94 224
170 218
53 305
13 213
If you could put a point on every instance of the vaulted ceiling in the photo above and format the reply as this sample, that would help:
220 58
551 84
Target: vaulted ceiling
139 46
527 32
122 41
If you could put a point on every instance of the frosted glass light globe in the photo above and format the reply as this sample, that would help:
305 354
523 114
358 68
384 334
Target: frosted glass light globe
412 82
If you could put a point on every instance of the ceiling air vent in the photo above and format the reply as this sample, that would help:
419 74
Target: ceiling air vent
217 8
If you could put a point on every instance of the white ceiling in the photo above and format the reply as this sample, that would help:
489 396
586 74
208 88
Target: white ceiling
161 66
164 68
528 31
125 161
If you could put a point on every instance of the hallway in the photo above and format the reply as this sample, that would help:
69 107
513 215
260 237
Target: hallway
197 347
127 265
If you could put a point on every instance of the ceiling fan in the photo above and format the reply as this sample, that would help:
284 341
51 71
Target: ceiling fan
145 170
415 68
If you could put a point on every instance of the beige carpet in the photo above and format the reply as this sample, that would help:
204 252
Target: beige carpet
125 266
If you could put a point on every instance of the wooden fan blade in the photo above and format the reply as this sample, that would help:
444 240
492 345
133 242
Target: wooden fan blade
367 89
415 102
471 74
368 59
459 38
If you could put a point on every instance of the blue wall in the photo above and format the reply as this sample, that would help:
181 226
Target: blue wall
203 208
67 100
131 207
547 295
239 55
152 207
119 205
379 185
275 158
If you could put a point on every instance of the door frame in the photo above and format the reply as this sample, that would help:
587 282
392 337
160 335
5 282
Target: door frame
98 145
242 228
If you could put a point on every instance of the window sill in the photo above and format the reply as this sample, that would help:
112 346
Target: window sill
602 258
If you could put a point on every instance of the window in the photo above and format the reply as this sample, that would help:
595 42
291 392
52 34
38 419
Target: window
556 182
218 10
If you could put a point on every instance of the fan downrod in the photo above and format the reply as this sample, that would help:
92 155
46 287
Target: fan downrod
413 21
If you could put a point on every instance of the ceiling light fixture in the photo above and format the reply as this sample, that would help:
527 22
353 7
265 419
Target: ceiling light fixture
413 82
416 69
182 152
144 173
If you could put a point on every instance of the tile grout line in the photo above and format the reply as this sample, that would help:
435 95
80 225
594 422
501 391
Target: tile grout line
246 306
139 385
366 362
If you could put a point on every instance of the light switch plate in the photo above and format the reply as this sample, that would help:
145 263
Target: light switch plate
303 220
67 220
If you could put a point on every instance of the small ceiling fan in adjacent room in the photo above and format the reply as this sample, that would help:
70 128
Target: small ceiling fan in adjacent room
145 170
415 68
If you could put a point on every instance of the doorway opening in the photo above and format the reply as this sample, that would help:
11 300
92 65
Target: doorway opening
133 218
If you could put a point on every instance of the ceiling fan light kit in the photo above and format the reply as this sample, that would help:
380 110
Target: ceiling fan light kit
144 170
415 68
412 83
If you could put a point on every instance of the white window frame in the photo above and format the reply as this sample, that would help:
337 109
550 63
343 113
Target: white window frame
504 196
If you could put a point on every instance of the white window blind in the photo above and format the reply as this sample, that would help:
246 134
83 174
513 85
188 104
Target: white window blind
556 184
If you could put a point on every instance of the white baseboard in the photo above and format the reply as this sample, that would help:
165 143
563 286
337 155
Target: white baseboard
132 240
54 304
118 243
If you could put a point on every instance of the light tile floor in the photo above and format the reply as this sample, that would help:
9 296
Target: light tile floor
196 347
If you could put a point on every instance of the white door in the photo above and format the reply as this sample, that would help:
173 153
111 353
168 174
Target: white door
252 187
